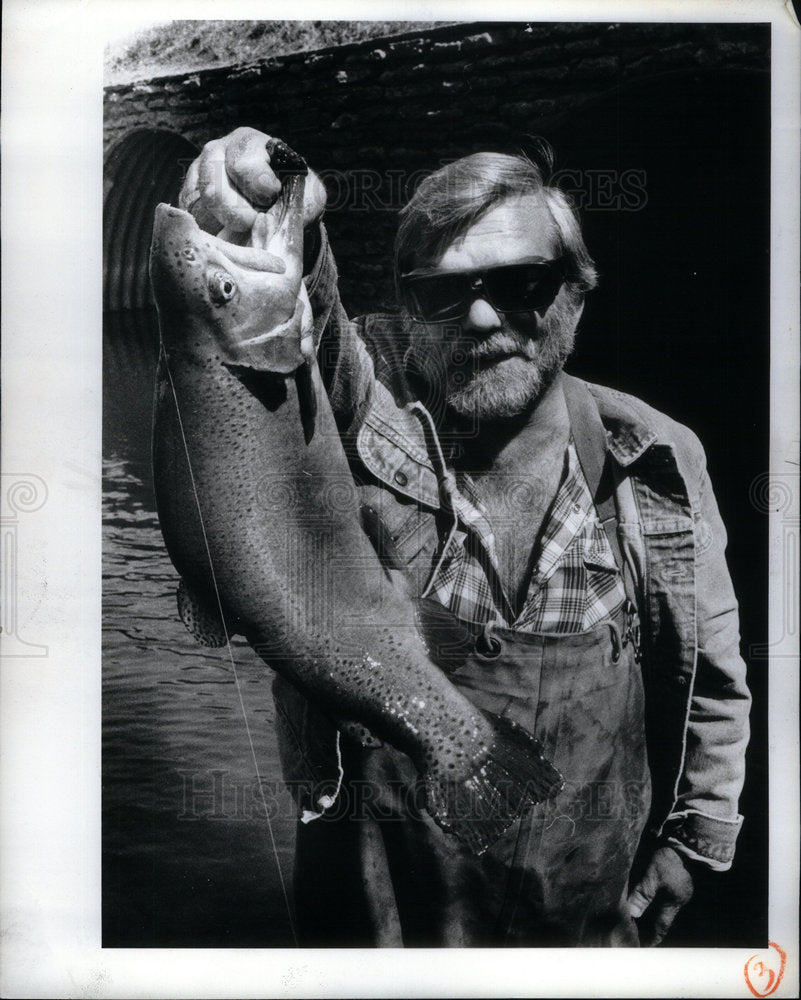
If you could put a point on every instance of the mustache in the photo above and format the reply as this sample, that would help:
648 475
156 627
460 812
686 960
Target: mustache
499 344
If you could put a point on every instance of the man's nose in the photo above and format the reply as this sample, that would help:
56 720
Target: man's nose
482 317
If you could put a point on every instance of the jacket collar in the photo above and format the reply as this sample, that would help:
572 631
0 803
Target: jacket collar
629 433
391 440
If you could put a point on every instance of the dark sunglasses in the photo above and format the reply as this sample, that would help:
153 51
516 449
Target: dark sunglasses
513 288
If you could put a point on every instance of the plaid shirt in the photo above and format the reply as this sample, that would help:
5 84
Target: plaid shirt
575 583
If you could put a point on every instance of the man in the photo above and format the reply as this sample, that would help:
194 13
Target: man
567 556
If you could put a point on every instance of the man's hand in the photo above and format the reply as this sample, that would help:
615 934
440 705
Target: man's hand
232 181
659 895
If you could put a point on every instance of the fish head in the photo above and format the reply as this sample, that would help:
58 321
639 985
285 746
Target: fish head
246 305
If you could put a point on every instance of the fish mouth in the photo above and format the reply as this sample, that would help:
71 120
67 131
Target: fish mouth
172 224
172 221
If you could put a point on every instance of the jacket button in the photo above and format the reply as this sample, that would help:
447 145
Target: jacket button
401 478
681 680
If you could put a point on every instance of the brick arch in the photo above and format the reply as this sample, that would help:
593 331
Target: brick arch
144 168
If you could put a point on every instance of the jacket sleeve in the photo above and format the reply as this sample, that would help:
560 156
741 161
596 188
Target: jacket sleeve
704 822
345 364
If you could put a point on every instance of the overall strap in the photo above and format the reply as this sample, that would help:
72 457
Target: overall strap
589 437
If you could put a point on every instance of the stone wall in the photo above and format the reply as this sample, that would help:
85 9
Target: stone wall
374 117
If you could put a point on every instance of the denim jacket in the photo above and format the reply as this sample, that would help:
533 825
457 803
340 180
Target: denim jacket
671 536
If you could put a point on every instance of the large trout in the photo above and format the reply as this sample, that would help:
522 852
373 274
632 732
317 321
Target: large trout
296 575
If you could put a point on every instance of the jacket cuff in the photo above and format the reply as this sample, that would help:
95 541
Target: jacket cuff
707 839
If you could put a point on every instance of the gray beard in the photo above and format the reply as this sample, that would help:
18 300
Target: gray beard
503 374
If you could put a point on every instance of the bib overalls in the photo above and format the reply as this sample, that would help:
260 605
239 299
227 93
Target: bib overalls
378 871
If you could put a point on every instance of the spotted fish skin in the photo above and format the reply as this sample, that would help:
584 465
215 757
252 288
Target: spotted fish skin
296 572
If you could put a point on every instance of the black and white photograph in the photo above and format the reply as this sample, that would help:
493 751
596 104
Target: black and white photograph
445 515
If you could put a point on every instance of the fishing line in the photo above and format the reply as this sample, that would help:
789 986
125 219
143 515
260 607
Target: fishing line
230 653
326 801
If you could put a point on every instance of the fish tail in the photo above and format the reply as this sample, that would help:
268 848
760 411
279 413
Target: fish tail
510 779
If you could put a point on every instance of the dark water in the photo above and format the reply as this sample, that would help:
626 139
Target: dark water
187 852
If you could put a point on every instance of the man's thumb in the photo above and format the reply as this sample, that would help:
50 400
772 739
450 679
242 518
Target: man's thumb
642 895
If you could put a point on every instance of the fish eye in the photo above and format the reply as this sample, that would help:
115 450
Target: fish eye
222 286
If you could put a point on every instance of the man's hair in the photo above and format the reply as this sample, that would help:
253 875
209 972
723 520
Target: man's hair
452 198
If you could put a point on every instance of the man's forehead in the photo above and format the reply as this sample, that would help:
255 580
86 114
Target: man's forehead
517 228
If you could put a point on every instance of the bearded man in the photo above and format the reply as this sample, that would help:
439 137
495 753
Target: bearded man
566 554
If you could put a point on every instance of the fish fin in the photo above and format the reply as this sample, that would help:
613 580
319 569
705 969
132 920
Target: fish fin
359 733
307 399
268 387
448 640
513 777
201 619
307 741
